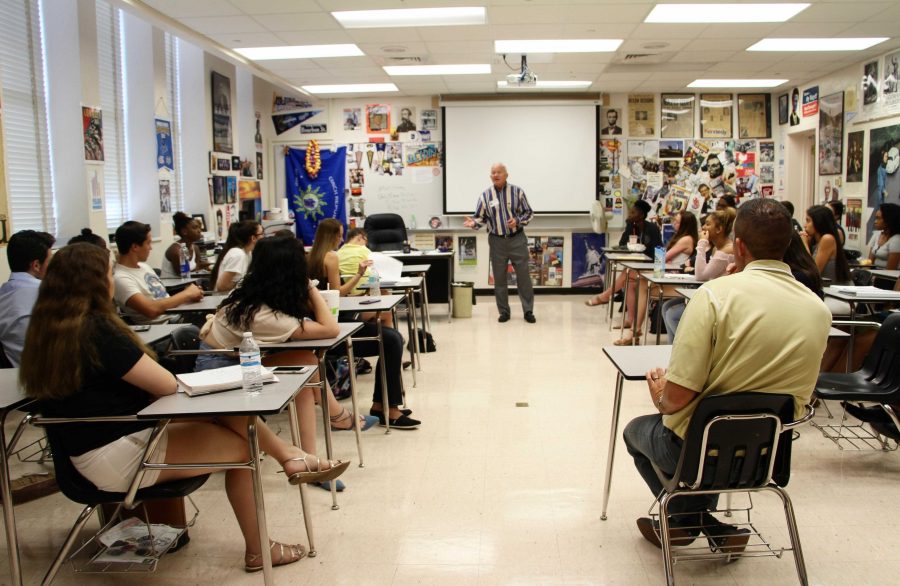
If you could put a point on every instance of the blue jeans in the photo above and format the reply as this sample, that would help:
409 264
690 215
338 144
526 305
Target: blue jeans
648 440
210 361
672 310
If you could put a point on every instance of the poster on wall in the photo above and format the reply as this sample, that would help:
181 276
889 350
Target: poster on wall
810 101
890 84
754 116
165 197
795 107
676 116
314 198
855 156
422 155
552 265
221 118
611 117
4 202
831 134
884 176
92 127
641 114
853 219
766 152
93 185
429 120
783 109
830 189
468 251
378 118
257 137
716 115
352 117
251 199
164 154
870 84
407 119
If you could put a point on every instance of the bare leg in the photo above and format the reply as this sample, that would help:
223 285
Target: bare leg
607 295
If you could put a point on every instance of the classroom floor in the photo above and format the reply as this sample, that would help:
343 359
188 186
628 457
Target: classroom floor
488 492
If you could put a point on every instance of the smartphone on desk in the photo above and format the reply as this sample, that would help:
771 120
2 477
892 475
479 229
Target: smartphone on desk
145 328
368 301
291 369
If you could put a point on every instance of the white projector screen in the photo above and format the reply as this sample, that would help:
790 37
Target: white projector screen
550 151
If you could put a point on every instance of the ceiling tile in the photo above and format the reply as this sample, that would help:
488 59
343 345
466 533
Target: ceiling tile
811 29
841 11
669 31
233 40
539 15
315 37
634 12
730 31
533 31
223 24
612 87
355 63
298 22
272 6
481 46
640 45
701 56
591 30
180 9
386 36
734 44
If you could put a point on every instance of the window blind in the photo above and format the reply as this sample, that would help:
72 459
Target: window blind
173 87
26 126
112 104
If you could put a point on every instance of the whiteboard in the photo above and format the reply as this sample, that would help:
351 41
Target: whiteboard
549 150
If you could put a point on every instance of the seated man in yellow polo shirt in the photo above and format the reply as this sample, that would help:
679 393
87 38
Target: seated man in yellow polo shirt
758 330
350 256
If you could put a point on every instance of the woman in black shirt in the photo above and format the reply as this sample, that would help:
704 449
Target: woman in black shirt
81 360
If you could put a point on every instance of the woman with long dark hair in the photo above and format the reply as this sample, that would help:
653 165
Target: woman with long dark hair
803 267
884 247
81 360
276 303
235 256
823 242
189 233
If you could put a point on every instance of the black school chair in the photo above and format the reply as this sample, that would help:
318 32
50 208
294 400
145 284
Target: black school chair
735 443
877 381
79 489
385 232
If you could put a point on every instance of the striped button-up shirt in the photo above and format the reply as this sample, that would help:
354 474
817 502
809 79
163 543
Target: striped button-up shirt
496 207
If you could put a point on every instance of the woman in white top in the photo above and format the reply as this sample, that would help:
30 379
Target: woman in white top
678 252
189 233
231 266
884 247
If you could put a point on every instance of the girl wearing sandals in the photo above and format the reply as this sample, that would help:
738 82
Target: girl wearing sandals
81 360
276 302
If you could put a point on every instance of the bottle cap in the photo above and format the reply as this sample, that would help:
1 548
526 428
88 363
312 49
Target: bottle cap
248 334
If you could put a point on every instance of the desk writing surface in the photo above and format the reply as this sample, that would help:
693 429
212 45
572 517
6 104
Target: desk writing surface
886 274
272 399
634 361
648 266
881 297
357 303
627 256
158 332
347 330
414 269
401 283
683 279
685 292
416 253
11 394
169 282
209 304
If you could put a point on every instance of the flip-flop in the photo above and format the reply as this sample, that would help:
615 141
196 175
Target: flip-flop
592 303
283 560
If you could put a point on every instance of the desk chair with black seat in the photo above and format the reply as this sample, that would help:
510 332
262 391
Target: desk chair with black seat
385 232
877 381
79 489
738 442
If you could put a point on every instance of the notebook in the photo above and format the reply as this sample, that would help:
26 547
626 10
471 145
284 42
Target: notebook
216 380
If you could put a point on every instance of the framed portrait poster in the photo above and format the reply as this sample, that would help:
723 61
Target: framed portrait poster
221 118
754 116
676 117
641 114
783 109
716 115
831 134
378 118
855 156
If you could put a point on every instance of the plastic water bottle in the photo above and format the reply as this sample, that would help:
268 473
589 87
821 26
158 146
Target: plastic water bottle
659 261
374 282
185 263
251 377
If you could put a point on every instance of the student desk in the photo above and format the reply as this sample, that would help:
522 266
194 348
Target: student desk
839 292
637 267
272 400
885 274
421 271
685 280
613 259
11 397
208 304
176 284
409 285
632 364
157 333
439 276
359 305
320 347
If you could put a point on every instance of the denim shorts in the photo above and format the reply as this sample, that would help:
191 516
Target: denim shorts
209 361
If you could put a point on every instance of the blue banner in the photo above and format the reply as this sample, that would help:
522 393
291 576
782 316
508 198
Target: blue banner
313 200
164 151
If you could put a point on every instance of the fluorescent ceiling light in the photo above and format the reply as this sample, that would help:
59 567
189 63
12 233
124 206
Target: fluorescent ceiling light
817 44
469 69
736 83
351 88
451 16
723 13
543 85
300 52
558 46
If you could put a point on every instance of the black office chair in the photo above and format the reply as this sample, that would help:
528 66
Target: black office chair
385 232
77 488
184 338
877 381
739 442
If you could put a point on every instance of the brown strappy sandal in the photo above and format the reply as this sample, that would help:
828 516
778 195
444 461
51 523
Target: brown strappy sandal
297 553
319 475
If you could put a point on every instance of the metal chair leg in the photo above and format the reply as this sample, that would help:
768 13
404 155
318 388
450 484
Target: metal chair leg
83 518
664 539
307 520
793 532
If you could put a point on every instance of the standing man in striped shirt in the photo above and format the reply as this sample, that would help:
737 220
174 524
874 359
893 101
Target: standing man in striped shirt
505 210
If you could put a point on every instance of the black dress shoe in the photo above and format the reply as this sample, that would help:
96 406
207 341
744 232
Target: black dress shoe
887 429
874 414
724 538
529 317
677 535
503 318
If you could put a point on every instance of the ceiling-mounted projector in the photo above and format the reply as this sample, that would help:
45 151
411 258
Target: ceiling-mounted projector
524 78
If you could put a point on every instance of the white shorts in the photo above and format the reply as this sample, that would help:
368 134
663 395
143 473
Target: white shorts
112 467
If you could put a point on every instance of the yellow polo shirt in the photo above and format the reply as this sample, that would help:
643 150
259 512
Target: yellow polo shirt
349 257
758 330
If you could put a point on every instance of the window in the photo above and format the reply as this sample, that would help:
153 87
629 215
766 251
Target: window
173 103
22 73
112 105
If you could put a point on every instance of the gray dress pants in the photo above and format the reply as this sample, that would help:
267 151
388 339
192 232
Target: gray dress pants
514 250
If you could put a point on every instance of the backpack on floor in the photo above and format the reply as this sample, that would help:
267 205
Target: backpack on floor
426 342
338 372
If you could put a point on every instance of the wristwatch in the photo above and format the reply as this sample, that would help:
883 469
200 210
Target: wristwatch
659 399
